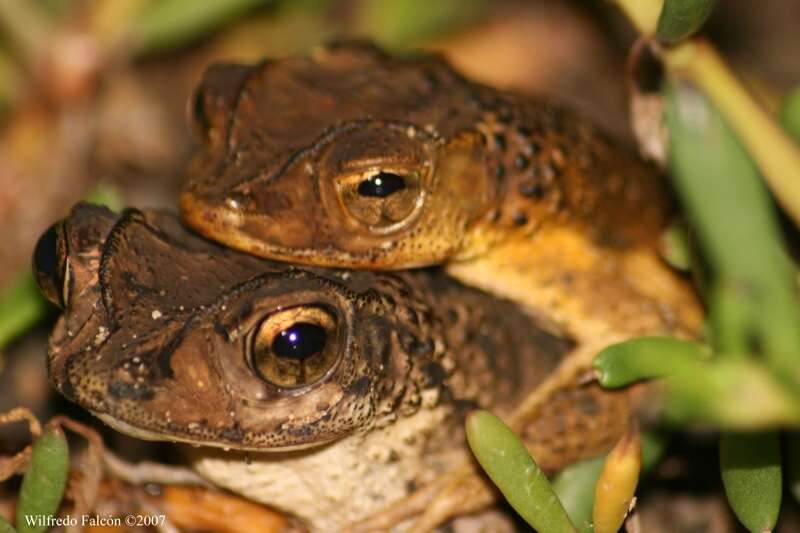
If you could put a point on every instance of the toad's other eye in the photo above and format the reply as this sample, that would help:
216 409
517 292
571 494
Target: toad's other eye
295 347
381 185
51 266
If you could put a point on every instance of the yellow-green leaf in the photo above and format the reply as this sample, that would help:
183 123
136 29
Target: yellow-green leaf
751 473
509 465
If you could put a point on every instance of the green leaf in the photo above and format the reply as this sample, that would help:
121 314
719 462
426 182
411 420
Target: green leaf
645 358
752 298
731 392
574 487
509 465
21 306
751 473
44 481
790 114
681 18
106 195
399 23
168 24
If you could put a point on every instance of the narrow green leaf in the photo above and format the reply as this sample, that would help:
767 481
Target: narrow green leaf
21 306
751 473
44 481
752 298
681 18
645 358
509 465
169 24
790 114
731 392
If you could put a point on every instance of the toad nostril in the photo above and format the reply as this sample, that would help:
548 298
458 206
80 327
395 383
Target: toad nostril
47 266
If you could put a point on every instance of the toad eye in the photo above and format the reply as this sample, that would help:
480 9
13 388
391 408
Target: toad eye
381 199
51 266
381 185
294 347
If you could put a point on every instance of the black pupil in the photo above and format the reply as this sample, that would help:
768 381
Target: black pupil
381 185
299 341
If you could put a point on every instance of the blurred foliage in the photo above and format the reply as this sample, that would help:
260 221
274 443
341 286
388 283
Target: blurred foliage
397 23
167 24
681 18
790 114
21 306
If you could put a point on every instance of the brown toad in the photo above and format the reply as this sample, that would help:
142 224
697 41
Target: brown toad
326 393
354 159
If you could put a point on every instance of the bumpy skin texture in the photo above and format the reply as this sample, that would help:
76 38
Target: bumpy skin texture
518 196
157 340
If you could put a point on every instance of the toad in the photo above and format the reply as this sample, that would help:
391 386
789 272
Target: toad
354 159
329 394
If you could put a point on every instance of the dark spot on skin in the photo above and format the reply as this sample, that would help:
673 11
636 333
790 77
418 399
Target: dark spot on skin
413 317
431 79
587 404
494 215
519 218
360 387
127 391
233 433
524 131
220 330
534 148
521 162
164 357
452 316
500 141
531 189
435 373
412 345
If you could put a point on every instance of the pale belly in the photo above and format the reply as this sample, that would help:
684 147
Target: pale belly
334 485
